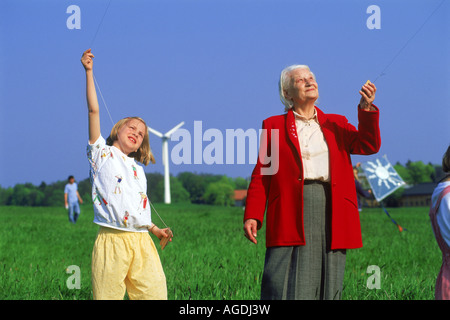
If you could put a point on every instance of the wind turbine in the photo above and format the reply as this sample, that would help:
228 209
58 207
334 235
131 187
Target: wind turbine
165 157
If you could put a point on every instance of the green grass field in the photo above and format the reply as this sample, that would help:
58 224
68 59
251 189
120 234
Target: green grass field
209 258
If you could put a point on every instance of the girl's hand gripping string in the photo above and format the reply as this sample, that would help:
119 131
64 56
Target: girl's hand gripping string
86 60
165 235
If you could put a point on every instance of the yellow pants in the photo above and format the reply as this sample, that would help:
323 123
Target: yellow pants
128 261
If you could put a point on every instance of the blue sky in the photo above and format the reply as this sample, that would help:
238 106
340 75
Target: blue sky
217 62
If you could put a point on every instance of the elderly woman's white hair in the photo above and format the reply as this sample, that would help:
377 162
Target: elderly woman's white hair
283 83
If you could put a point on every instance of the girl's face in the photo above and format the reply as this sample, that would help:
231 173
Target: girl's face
130 136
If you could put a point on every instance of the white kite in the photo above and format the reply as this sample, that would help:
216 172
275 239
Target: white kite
382 177
383 180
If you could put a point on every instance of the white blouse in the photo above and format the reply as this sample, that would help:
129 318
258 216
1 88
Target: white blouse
313 147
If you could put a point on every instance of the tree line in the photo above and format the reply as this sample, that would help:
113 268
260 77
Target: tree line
188 187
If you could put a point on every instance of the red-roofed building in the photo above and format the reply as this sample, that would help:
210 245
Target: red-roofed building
240 196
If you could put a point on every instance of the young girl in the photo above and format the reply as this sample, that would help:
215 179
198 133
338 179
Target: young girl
124 256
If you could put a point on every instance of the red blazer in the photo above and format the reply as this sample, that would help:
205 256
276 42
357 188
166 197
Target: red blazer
282 192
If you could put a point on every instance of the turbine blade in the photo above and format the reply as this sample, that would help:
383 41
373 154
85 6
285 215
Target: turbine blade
157 133
169 133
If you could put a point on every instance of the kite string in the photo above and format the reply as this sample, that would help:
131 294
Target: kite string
106 107
104 103
101 21
151 204
409 40
95 79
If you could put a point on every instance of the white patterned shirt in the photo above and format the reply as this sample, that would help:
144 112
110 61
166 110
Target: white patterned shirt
119 189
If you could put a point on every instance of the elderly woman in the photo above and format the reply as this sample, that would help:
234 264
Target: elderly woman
312 214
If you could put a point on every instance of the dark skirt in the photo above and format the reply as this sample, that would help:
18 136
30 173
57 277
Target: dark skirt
312 271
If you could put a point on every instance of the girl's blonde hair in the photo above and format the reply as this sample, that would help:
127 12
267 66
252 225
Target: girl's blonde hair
144 154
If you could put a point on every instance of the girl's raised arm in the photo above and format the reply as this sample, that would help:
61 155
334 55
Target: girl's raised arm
91 96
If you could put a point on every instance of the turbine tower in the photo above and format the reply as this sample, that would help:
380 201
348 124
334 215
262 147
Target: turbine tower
165 157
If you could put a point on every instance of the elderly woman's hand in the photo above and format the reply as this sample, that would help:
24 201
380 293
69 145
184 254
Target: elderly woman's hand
367 96
250 228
